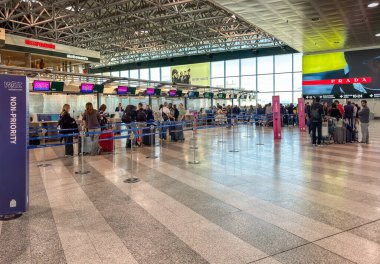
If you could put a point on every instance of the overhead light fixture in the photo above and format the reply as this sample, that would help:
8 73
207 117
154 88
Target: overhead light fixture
374 4
377 35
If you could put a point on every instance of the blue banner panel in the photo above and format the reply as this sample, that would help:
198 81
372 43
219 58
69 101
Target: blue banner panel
13 145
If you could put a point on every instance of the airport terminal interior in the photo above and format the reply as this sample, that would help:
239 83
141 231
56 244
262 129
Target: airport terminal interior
190 131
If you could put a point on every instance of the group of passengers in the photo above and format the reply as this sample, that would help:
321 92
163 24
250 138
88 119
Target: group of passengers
351 115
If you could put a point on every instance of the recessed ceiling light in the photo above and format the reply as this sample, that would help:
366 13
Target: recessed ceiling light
377 35
374 4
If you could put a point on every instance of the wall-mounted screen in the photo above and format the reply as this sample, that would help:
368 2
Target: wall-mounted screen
150 91
87 88
41 86
197 74
157 92
208 95
122 90
351 74
99 88
221 96
193 94
179 93
57 86
172 93
132 90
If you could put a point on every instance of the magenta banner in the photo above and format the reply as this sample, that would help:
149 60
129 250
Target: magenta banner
301 114
13 144
276 117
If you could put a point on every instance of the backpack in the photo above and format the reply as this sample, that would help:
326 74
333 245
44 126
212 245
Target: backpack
126 118
315 115
141 116
164 116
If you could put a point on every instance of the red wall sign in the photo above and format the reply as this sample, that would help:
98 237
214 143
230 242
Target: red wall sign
39 44
339 81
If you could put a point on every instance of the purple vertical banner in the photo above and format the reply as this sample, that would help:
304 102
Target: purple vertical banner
276 117
301 114
13 145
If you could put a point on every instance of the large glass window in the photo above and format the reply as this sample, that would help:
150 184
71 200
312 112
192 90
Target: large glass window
217 82
283 82
297 85
283 63
115 74
217 69
124 74
264 98
265 83
265 65
297 62
232 68
248 83
134 74
166 74
155 74
296 95
144 74
233 82
248 66
285 97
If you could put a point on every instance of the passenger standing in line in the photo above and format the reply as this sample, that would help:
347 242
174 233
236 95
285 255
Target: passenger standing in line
91 118
119 108
149 114
335 112
340 107
69 127
103 117
349 113
364 121
165 115
316 121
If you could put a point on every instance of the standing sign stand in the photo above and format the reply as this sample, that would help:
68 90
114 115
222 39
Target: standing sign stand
276 117
14 160
301 114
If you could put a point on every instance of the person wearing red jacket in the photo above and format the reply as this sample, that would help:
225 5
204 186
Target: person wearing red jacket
340 107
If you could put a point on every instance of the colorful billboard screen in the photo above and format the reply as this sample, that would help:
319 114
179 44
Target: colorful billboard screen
41 86
87 88
121 90
196 74
353 74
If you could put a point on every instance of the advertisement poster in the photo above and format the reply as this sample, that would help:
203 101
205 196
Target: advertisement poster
13 145
276 117
353 74
301 115
196 74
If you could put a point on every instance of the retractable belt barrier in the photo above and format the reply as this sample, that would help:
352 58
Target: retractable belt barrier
160 127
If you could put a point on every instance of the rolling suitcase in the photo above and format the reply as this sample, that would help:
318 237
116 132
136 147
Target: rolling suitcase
179 129
340 135
148 137
87 145
106 141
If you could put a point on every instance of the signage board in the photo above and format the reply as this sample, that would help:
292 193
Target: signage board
13 144
301 115
197 74
276 117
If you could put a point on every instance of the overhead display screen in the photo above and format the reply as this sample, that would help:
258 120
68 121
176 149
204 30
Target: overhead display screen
197 74
41 86
353 74
87 88
122 90
57 86
150 91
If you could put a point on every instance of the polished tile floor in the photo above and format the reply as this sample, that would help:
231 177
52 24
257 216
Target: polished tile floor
271 202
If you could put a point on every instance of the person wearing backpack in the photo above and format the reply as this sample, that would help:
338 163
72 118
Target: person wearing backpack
129 118
316 116
69 127
164 120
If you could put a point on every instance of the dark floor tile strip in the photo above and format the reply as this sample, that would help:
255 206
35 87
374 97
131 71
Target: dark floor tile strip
145 237
262 235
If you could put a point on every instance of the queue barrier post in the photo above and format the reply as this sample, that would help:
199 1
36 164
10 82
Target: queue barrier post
132 179
82 171
233 150
193 139
194 148
43 164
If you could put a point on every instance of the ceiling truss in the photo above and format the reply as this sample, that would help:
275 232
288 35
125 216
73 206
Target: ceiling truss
134 30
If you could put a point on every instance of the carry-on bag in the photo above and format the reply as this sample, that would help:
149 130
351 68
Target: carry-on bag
340 135
148 139
106 141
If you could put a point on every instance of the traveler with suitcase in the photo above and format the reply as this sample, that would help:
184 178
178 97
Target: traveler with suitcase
68 128
129 118
316 118
91 117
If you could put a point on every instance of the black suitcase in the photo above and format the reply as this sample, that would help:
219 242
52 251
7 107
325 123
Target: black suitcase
177 133
147 137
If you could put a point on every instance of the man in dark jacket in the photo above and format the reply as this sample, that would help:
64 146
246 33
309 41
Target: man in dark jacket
316 115
349 113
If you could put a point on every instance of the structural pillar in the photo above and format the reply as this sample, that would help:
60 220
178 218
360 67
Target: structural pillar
28 60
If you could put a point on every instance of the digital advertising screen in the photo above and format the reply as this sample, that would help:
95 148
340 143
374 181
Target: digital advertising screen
122 90
132 90
157 92
87 88
193 94
41 86
351 74
179 93
150 91
208 95
197 74
99 88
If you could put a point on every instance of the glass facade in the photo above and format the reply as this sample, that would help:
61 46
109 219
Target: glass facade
269 75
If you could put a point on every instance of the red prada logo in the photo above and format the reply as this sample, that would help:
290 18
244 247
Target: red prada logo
39 44
338 81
